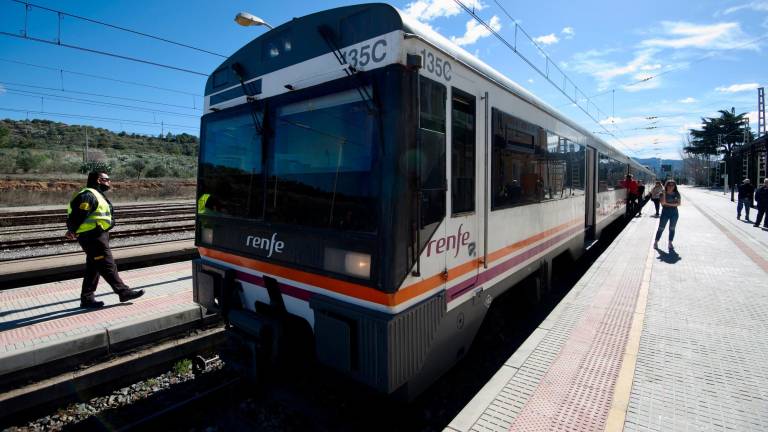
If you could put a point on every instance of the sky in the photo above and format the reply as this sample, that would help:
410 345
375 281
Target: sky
646 72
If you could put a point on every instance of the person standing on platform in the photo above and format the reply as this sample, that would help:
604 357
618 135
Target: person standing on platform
631 187
656 192
746 195
670 201
89 219
761 196
640 197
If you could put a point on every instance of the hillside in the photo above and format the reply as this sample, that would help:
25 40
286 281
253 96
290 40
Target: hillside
44 146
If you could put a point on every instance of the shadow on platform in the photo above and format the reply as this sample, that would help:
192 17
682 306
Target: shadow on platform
668 257
21 322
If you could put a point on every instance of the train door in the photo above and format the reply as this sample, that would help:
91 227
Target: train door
463 233
589 217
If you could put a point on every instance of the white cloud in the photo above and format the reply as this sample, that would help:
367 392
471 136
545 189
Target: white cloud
568 32
2 89
667 144
759 6
688 100
720 36
605 71
752 115
427 10
475 31
531 81
735 88
547 39
650 67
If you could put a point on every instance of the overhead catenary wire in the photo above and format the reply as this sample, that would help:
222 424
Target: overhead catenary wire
106 53
7 83
91 20
514 49
105 119
101 77
94 102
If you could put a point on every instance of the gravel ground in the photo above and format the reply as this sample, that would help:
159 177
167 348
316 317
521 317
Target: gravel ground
71 415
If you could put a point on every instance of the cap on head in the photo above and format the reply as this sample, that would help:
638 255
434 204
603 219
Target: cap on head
746 180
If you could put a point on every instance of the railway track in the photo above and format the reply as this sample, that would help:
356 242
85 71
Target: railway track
60 239
21 230
44 217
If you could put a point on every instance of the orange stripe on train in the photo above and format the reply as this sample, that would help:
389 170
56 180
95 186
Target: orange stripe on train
363 292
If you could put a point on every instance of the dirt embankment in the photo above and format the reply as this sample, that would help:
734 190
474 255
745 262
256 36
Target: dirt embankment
65 186
24 192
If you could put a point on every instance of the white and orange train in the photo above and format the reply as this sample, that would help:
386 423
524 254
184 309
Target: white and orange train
367 189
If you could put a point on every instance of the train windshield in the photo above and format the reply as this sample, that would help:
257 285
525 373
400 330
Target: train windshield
316 169
320 163
231 165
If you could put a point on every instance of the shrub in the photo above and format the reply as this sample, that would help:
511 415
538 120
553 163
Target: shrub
157 171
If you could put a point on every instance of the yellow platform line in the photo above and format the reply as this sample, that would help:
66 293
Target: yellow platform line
621 393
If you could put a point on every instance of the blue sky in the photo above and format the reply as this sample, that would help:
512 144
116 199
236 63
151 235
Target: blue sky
700 56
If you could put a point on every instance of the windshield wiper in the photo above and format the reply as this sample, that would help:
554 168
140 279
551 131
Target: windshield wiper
330 39
237 68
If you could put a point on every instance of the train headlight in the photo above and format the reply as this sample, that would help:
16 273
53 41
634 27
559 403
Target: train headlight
206 235
351 263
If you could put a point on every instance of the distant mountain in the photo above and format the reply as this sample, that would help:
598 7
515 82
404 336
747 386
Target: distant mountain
655 163
49 135
44 146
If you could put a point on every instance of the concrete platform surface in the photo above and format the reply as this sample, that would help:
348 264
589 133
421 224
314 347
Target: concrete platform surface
43 323
649 339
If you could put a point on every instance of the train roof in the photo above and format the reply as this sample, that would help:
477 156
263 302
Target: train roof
357 23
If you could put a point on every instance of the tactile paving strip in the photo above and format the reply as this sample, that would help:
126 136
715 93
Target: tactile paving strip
576 392
564 380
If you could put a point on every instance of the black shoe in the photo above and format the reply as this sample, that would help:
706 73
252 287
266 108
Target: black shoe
130 294
91 304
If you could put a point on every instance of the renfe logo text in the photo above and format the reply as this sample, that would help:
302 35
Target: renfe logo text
266 244
449 243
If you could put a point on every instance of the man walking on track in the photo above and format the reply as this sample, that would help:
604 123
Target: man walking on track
761 196
89 219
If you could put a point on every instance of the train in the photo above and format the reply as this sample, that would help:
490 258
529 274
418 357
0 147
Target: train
367 189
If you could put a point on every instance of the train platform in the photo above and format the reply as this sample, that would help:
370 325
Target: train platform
43 324
648 339
17 271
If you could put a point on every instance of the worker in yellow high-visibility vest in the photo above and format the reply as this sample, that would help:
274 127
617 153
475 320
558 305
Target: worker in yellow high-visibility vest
89 219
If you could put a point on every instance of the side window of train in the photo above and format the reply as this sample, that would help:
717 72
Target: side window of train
565 168
462 152
610 174
530 164
432 152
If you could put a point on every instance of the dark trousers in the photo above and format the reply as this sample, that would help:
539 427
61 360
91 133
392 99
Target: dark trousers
668 214
761 210
746 203
656 204
99 261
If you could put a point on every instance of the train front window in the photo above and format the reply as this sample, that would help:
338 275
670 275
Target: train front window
320 163
231 179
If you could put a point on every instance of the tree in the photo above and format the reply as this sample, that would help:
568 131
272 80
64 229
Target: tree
89 166
721 135
137 165
4 133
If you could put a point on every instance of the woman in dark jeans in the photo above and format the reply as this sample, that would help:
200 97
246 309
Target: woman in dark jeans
670 201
